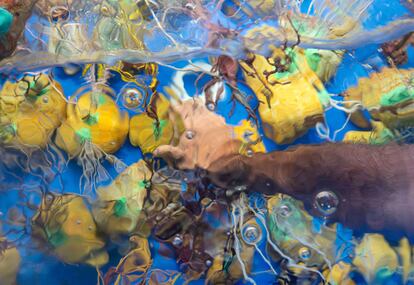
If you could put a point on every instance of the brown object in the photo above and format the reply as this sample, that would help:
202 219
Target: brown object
397 50
374 184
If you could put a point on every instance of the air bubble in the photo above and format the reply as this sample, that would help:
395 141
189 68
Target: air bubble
240 188
326 202
177 241
189 135
285 211
132 98
251 234
304 253
211 106
59 14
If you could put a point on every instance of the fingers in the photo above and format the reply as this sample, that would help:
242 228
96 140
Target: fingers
185 106
176 107
169 153
191 112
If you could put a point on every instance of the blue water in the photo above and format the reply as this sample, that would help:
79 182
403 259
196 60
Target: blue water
38 268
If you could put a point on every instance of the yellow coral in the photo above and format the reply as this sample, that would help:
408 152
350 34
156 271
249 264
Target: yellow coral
291 227
375 258
119 205
404 251
67 225
146 134
30 110
388 96
339 274
379 135
95 118
294 96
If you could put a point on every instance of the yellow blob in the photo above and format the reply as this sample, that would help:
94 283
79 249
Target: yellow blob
119 205
388 96
30 110
144 132
379 135
327 62
94 118
135 265
339 274
294 96
250 138
226 267
404 251
292 229
66 224
9 265
374 256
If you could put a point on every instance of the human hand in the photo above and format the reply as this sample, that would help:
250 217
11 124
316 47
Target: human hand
206 139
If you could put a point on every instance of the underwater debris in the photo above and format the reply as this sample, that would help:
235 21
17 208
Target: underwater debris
396 50
163 277
66 226
226 68
166 188
226 267
120 25
66 39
